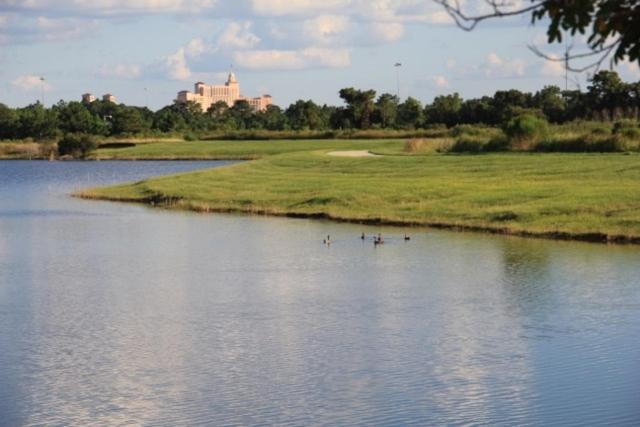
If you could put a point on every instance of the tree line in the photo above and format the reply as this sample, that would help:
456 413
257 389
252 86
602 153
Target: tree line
607 98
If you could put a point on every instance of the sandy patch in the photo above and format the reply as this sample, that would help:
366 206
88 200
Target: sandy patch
352 153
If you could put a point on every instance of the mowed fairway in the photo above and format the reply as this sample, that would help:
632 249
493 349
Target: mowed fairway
236 150
583 196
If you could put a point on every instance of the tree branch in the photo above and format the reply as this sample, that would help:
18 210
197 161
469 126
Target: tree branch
468 22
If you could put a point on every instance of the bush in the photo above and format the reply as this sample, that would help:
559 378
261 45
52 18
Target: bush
76 145
525 130
190 136
468 144
627 128
414 145
587 143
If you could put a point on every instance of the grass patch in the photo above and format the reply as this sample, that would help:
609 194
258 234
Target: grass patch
235 150
582 196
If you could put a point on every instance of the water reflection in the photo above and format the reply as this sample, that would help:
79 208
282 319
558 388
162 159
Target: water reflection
114 314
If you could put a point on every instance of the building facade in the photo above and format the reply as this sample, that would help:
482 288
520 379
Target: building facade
88 98
109 98
207 95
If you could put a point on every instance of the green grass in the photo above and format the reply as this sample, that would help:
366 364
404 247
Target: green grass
234 150
583 196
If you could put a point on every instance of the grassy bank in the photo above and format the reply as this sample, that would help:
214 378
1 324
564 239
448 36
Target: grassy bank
574 196
234 150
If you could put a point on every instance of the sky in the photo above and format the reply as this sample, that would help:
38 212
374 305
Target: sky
145 51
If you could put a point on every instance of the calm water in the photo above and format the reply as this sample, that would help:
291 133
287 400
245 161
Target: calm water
116 314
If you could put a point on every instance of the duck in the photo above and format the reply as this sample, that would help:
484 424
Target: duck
327 241
363 236
378 240
406 237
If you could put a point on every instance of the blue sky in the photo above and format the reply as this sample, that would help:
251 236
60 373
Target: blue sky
145 51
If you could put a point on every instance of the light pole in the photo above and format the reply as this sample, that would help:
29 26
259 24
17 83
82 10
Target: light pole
42 88
397 66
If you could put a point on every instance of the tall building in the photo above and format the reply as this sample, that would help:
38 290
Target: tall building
207 95
109 98
88 98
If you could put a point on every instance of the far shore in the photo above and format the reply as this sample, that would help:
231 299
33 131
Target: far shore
588 197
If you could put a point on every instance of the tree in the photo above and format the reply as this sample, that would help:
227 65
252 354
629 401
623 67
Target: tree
243 114
550 101
169 119
76 145
9 122
476 110
386 110
613 25
272 118
444 109
359 105
410 113
129 120
75 117
304 115
507 103
608 94
37 122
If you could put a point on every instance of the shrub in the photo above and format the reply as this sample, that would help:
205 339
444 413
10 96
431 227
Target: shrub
468 144
190 136
497 143
76 145
587 143
414 145
627 128
525 130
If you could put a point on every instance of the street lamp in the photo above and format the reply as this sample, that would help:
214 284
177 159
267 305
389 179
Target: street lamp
42 88
397 66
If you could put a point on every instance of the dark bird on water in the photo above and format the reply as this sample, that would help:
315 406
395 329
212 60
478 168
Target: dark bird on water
406 237
327 241
363 236
378 240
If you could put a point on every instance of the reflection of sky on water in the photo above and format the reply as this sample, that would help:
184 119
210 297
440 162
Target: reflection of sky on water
117 313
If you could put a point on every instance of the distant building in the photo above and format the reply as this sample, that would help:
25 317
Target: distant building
88 98
206 95
109 98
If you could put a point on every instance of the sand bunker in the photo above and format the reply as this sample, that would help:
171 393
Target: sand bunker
352 153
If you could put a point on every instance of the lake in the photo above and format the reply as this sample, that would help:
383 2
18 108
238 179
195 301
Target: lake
114 314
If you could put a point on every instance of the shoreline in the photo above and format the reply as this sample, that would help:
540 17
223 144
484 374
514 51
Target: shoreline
169 203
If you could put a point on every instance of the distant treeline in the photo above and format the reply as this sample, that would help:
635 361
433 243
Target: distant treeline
607 98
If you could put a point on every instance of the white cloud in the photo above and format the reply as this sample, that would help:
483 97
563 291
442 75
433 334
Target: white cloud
176 65
296 7
438 17
498 67
113 7
552 68
325 29
440 81
123 71
629 69
195 48
312 57
237 36
31 82
387 31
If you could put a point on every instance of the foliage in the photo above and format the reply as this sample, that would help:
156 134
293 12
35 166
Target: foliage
76 145
551 194
607 98
526 129
610 20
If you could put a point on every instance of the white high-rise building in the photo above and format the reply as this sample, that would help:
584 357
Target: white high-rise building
207 95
